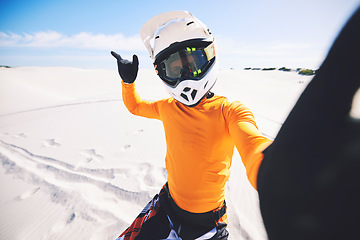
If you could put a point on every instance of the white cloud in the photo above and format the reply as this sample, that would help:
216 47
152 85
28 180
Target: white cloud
228 46
269 54
232 53
84 40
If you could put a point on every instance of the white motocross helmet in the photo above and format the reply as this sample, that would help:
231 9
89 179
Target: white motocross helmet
184 55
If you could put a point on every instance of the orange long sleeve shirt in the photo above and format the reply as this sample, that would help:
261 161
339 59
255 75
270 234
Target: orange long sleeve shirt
200 144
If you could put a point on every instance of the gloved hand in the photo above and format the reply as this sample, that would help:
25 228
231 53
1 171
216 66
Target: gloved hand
127 70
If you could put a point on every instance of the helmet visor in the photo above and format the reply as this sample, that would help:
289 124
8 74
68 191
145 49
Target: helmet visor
186 63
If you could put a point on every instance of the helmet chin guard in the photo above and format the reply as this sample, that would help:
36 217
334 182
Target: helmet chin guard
191 92
184 54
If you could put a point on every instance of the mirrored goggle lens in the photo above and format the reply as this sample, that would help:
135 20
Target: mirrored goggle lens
188 63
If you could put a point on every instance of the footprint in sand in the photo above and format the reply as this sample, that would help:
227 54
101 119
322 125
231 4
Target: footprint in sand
21 136
70 218
135 133
51 143
138 132
61 225
125 147
28 194
91 154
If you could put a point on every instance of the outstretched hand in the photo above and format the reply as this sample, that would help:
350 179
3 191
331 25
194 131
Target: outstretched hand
127 70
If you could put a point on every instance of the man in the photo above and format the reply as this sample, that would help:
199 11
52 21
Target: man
201 131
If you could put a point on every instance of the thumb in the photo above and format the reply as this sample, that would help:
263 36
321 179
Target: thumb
115 55
135 60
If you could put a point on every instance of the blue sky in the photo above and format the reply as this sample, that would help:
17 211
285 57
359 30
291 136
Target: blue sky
249 33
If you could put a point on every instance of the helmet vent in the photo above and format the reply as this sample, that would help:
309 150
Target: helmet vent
193 94
186 93
206 84
184 96
189 23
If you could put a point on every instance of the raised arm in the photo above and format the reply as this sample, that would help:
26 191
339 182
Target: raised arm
128 72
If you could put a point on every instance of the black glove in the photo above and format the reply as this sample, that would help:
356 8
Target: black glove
127 70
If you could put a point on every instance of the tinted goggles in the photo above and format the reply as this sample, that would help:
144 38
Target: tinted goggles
186 63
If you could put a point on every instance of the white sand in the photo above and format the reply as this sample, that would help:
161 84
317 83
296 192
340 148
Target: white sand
77 165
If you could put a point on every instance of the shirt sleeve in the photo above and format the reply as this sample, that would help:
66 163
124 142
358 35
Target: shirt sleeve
136 105
247 138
